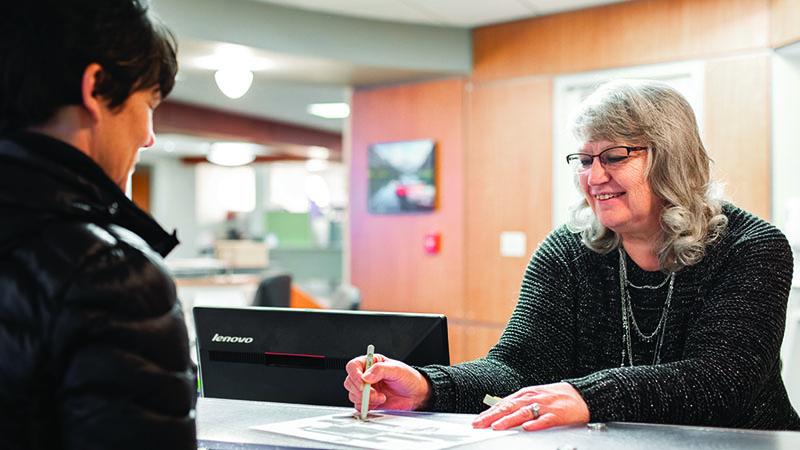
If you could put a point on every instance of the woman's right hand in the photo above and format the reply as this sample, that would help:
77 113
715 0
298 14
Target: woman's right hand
395 385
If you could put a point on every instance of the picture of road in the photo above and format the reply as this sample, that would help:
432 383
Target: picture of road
402 177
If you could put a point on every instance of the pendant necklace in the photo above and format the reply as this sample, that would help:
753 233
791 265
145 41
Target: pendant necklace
629 320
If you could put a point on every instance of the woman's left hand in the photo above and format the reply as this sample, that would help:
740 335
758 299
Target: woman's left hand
558 404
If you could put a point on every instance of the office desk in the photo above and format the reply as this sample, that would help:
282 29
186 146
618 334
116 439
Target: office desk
224 424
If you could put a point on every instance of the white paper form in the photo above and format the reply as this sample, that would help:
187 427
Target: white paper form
383 431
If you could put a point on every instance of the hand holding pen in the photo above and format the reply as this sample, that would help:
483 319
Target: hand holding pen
392 384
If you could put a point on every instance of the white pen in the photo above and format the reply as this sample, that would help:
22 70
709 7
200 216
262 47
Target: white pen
365 392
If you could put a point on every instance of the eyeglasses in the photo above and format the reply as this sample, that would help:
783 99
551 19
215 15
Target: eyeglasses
609 158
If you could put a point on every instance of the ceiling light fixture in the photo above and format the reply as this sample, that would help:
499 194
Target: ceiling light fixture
329 110
233 67
316 165
232 154
234 82
317 152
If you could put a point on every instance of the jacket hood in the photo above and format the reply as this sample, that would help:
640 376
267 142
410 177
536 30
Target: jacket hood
43 179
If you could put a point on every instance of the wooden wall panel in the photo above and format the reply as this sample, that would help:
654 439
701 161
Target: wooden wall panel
455 334
737 129
617 35
140 189
388 262
785 23
471 340
509 188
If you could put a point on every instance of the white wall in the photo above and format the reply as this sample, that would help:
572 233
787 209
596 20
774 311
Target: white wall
172 194
786 143
786 194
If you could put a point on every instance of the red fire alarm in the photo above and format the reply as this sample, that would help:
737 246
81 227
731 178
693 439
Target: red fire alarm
433 243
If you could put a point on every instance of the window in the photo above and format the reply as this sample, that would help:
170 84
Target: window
222 189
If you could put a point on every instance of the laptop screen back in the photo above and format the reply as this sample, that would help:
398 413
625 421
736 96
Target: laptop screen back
298 356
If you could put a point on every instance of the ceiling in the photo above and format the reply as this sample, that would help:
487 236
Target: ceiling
449 13
316 51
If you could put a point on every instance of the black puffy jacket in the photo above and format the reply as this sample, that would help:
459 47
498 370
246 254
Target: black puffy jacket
93 347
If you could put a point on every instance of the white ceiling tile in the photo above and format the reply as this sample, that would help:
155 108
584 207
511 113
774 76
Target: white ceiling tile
390 10
557 6
459 13
471 13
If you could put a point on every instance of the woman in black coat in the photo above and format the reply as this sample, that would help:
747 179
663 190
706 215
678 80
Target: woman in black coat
94 348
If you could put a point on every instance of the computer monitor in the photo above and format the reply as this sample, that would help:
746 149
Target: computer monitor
298 355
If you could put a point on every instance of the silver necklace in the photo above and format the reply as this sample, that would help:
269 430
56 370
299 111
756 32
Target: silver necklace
629 320
647 286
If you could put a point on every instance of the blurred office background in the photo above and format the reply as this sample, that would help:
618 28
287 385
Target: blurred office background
267 184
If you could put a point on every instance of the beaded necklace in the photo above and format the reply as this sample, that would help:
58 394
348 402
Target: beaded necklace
628 319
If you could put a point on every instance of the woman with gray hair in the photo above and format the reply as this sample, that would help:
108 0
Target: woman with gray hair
658 302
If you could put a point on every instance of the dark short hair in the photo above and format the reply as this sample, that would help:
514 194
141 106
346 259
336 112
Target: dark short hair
47 45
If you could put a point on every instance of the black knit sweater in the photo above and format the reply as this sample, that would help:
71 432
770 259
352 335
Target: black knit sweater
719 362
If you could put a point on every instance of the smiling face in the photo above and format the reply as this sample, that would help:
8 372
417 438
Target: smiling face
621 196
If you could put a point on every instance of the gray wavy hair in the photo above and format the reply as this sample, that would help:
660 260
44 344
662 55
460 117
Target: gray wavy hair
650 113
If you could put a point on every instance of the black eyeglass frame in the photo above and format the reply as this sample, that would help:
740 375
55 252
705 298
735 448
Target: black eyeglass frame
604 160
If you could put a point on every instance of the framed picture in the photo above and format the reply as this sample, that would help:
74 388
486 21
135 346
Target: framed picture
402 177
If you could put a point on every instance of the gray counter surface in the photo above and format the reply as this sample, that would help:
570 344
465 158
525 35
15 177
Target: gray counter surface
225 424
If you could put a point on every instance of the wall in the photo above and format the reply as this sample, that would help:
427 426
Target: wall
388 262
785 33
140 189
617 35
509 188
786 136
173 202
507 151
785 28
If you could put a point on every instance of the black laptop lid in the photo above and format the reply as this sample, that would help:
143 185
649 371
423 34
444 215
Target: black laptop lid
298 355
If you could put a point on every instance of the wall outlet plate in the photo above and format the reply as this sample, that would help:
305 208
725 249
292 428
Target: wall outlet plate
513 244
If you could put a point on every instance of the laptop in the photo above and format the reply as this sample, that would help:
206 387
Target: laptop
299 355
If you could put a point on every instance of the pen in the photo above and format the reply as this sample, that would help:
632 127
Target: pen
365 392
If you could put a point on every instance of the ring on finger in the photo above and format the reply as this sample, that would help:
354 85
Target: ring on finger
534 409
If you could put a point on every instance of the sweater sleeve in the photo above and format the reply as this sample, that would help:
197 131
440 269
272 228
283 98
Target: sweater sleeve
121 358
732 347
535 347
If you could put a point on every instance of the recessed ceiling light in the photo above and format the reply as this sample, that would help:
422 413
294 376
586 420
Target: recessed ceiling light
233 82
317 152
232 55
233 67
316 165
232 154
329 110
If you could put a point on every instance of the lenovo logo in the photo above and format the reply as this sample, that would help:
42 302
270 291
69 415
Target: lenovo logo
231 339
